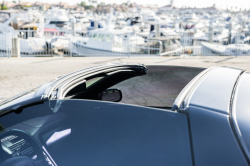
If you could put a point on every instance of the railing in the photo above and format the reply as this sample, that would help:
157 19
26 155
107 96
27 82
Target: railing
24 43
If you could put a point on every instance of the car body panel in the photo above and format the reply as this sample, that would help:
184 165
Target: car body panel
106 133
213 141
208 106
240 112
215 90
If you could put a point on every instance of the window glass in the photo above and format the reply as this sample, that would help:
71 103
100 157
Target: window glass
92 81
4 17
59 22
108 38
159 87
17 96
82 132
95 36
82 87
118 41
101 37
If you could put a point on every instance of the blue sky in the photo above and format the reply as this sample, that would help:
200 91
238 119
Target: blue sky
179 3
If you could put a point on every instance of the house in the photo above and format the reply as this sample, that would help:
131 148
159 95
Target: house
212 9
75 8
132 8
168 8
146 8
40 6
61 5
171 8
19 6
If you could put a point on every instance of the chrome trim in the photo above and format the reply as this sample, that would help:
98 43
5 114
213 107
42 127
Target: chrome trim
79 78
72 86
82 72
114 72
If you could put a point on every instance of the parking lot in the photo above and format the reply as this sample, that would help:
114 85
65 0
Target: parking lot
19 75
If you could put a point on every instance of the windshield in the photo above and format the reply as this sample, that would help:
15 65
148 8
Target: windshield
17 96
4 17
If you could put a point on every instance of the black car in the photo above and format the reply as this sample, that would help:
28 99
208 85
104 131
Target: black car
130 115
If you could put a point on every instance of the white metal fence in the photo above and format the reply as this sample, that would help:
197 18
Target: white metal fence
24 43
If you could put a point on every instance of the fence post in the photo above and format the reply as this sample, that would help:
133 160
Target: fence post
157 30
148 42
41 25
128 45
160 50
15 49
8 44
70 47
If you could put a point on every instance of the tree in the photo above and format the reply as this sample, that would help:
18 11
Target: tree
23 6
93 1
88 7
13 1
82 4
4 7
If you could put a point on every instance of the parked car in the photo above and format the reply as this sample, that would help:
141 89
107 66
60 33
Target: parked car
130 114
